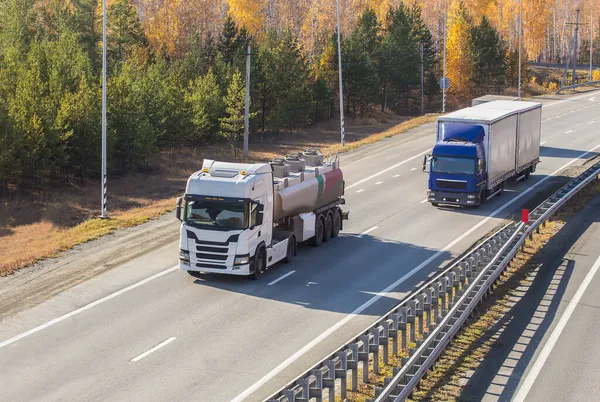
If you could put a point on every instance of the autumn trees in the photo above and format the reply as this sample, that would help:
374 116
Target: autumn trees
176 72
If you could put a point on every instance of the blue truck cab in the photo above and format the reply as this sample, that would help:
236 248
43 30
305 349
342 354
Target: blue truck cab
478 149
458 166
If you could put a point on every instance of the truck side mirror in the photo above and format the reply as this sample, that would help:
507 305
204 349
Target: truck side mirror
178 208
425 159
259 214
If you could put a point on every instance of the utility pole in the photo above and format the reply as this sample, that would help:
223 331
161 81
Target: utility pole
337 5
422 82
575 48
520 43
591 40
104 192
247 105
445 34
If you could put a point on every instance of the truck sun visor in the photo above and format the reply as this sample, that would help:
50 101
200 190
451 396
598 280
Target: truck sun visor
462 132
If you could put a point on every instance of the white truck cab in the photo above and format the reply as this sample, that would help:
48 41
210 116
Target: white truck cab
240 219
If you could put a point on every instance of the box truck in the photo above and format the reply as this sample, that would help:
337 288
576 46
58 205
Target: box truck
480 148
240 219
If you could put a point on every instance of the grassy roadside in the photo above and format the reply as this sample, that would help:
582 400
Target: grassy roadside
41 225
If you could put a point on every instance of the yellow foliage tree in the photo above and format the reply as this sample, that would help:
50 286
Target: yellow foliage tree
459 57
596 75
249 13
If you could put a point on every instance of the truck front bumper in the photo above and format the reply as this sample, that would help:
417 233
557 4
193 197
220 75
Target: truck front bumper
235 270
445 197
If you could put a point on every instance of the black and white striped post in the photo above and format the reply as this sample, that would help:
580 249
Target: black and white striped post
104 192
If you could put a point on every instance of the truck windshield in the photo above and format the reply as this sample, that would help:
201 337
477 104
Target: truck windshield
221 215
448 164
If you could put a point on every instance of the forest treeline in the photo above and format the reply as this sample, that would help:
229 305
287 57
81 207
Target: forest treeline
189 90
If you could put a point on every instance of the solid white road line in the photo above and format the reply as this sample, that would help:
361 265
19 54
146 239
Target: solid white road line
379 182
592 122
424 201
86 307
562 323
280 278
394 285
367 231
569 132
412 170
396 175
543 142
360 191
154 349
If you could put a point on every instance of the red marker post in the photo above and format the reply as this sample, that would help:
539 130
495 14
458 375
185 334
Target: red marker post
525 216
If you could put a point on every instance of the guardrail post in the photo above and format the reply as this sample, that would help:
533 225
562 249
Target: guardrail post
374 348
443 294
385 341
290 395
342 374
403 322
436 302
420 310
353 364
469 271
316 391
305 385
364 357
411 319
462 270
329 381
394 333
428 302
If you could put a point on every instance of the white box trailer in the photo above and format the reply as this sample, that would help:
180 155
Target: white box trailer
479 148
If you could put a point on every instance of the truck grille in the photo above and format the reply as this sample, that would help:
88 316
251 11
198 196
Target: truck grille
455 185
218 257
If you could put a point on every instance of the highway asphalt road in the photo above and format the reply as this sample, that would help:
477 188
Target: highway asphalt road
155 333
547 347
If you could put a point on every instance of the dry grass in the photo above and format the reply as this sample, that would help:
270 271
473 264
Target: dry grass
39 224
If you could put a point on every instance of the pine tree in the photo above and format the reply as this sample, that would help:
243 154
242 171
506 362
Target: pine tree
206 105
227 40
399 59
232 124
488 52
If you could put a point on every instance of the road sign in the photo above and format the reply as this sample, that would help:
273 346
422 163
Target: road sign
447 81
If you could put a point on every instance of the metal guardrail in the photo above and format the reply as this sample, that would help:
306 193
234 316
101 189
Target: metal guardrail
428 318
583 84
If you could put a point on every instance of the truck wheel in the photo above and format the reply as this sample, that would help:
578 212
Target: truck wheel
328 227
319 229
291 250
527 173
259 264
337 223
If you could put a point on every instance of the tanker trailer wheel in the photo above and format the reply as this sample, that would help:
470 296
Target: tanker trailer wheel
291 250
337 223
319 229
328 227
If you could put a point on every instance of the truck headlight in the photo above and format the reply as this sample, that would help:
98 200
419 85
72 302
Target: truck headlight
431 194
184 256
242 259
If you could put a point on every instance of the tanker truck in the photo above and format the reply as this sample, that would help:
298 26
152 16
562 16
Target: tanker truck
240 219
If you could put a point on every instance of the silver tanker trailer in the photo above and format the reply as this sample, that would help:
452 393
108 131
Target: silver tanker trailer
240 219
